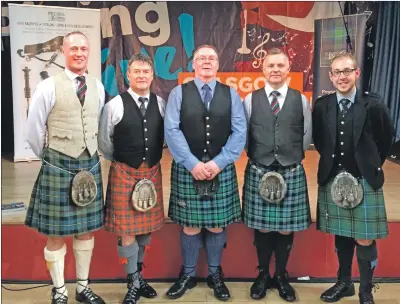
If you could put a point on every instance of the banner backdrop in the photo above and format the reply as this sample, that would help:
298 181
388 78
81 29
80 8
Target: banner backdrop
36 37
169 32
330 40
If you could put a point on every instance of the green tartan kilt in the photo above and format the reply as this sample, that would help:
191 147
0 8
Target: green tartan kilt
51 209
188 209
291 214
367 221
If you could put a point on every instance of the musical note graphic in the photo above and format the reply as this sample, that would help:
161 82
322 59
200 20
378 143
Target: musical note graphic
244 49
259 53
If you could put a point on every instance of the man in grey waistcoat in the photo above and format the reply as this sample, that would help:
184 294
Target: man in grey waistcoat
275 197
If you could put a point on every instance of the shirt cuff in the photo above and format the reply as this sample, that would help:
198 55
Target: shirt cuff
221 162
190 162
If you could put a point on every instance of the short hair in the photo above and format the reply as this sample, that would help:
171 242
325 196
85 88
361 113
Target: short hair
205 46
275 51
142 58
345 55
74 33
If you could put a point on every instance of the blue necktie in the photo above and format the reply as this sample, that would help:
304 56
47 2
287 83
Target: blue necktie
207 96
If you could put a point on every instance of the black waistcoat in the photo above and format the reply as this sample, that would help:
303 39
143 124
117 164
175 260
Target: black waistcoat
205 131
137 139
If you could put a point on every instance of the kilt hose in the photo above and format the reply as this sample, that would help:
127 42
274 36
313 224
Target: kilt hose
188 209
291 214
367 221
51 210
121 217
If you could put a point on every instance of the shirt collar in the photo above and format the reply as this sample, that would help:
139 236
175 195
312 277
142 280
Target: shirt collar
351 97
199 84
282 90
136 95
71 75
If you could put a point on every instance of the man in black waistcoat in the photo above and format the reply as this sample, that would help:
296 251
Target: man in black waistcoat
131 135
275 196
352 132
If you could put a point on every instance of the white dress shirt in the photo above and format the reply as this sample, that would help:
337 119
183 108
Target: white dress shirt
40 106
112 114
307 138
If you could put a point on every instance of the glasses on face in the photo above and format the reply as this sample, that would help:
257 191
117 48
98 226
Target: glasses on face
346 72
202 59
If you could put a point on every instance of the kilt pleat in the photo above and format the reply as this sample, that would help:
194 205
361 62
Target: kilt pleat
291 214
51 210
188 209
367 221
121 217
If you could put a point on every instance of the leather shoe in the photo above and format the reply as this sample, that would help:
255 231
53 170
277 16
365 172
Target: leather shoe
145 290
179 288
286 291
87 296
366 298
216 281
339 290
260 286
62 299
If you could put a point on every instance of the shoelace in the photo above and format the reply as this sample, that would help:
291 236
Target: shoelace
62 299
217 278
142 282
132 292
87 291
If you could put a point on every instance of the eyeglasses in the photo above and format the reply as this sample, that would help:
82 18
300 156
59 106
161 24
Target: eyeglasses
346 72
204 58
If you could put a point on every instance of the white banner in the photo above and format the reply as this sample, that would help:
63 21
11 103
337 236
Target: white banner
36 37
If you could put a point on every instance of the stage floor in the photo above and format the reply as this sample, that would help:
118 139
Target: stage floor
18 179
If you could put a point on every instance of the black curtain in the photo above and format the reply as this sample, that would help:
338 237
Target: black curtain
385 73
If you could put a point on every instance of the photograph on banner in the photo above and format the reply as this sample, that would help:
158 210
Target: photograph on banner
36 39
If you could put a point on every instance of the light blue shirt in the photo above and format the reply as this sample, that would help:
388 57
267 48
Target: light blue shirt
351 97
177 143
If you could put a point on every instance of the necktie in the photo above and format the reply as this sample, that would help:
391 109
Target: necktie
275 103
82 88
345 105
207 96
142 108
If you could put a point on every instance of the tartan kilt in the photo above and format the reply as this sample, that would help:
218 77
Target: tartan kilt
367 221
121 217
51 210
188 209
291 214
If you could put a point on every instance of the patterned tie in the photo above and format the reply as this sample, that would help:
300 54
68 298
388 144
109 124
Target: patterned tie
345 105
207 96
142 100
82 88
275 103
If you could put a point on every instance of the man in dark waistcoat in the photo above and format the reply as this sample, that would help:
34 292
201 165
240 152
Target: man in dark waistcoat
279 120
205 129
352 132
131 136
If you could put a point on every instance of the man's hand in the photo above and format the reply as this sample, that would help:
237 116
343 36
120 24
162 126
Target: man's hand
212 168
199 172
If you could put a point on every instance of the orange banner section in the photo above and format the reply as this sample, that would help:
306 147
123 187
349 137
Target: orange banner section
247 82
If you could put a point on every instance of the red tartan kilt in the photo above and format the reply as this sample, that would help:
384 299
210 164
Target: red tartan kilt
121 217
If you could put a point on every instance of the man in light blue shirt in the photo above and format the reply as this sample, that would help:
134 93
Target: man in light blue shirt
205 129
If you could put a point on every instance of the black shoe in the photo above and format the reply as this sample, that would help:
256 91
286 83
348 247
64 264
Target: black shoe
286 291
338 291
87 296
367 297
145 290
62 299
216 282
132 296
179 288
260 286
